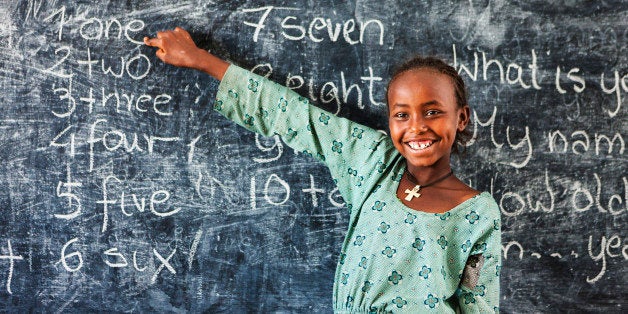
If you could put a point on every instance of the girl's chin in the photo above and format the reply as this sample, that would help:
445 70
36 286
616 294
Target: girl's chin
425 161
419 163
419 154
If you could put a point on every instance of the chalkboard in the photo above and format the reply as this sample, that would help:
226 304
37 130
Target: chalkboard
122 191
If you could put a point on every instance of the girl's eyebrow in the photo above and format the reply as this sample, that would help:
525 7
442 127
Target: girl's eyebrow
400 105
432 102
427 103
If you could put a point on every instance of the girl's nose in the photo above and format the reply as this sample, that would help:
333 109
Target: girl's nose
418 125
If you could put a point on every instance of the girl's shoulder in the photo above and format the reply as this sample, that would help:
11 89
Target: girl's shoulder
462 193
485 203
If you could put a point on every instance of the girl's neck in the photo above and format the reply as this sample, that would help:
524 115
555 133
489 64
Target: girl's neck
426 174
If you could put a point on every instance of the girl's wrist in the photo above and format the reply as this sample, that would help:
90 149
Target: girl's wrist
211 64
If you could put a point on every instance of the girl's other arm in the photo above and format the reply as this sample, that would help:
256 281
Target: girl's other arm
479 290
177 48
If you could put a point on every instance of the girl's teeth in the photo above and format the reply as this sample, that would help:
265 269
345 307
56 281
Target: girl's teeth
415 145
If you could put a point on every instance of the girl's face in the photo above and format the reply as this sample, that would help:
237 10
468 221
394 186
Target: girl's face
424 117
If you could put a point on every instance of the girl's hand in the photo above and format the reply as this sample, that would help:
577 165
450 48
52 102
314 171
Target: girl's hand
177 48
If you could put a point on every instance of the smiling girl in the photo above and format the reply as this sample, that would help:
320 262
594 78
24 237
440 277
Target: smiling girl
419 239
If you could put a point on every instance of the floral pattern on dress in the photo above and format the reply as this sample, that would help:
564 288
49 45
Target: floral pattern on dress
399 302
389 252
253 84
248 120
344 279
349 303
218 105
363 262
479 247
291 134
431 301
282 104
383 227
468 297
395 277
378 206
357 132
442 241
410 218
380 167
367 286
425 272
443 216
466 246
324 119
472 217
418 244
359 240
337 147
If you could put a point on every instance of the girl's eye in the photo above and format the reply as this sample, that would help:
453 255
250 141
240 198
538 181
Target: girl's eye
432 112
401 115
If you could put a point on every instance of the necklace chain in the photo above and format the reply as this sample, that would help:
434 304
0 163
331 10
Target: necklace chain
416 182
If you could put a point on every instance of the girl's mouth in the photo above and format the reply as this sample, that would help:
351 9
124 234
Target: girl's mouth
419 145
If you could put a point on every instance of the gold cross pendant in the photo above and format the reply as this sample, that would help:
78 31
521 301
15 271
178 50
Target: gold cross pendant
413 193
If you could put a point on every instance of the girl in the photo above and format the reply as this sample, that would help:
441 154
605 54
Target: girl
419 239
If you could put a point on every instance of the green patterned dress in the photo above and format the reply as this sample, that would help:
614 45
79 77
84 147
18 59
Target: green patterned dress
393 259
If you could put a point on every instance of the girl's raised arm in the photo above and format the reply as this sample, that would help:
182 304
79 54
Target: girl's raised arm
268 108
177 48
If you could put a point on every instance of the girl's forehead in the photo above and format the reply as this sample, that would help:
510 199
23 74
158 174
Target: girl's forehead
418 74
424 77
421 83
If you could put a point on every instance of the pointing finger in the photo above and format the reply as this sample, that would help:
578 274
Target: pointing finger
153 42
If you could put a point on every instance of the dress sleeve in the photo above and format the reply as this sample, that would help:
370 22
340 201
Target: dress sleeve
478 291
347 148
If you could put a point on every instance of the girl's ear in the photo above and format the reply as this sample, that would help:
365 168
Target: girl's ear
464 115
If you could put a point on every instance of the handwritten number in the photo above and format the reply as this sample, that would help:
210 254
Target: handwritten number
51 70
